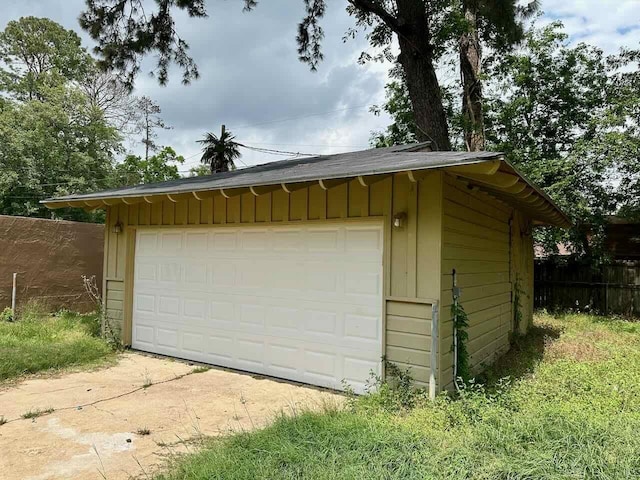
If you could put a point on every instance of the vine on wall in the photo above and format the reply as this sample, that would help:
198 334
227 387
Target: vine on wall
461 367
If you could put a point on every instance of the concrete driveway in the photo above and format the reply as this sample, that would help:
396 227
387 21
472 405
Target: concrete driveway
123 421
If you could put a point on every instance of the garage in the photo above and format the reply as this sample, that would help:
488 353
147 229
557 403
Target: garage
314 269
301 302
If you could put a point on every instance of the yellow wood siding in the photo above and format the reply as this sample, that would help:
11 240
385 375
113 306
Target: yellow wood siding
408 337
478 241
412 252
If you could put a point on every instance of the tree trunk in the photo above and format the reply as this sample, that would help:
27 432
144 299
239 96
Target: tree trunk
470 68
416 58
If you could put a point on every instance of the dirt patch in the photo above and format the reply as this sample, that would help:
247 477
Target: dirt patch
95 428
577 349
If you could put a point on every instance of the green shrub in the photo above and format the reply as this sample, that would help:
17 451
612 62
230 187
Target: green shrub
6 315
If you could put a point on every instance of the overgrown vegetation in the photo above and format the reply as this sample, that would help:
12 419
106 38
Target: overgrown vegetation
461 369
6 315
36 413
568 408
38 341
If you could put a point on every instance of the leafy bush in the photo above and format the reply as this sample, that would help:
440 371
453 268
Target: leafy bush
6 315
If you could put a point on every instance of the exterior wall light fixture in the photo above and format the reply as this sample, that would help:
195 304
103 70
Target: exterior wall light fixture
399 219
117 228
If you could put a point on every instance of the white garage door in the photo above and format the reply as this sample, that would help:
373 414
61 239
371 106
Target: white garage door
297 302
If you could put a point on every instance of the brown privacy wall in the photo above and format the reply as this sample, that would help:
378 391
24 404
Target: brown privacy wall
50 257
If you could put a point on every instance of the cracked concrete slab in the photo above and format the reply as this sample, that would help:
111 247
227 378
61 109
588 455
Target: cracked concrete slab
97 428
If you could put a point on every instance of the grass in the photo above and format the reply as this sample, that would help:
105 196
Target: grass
200 369
36 413
39 342
569 409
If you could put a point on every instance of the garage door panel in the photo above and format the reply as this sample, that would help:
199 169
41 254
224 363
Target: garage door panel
144 335
168 306
223 274
170 243
197 244
283 358
221 346
358 370
167 337
320 363
193 342
362 328
300 302
283 320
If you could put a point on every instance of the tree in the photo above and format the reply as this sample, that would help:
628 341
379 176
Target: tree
125 33
148 121
106 92
219 152
200 171
569 118
38 53
496 24
158 168
403 129
53 148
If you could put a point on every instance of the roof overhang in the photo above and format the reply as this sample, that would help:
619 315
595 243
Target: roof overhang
485 171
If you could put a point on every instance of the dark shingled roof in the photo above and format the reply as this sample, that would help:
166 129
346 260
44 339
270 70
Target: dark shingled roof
324 167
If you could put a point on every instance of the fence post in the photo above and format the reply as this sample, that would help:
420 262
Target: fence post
13 295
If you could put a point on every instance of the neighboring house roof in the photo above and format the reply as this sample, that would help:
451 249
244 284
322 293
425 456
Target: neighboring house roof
487 171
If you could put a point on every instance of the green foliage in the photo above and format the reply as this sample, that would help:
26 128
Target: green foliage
403 129
397 392
53 147
157 168
62 123
565 413
220 152
6 315
201 170
39 342
567 117
39 54
459 346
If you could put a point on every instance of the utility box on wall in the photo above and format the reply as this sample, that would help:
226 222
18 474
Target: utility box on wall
50 258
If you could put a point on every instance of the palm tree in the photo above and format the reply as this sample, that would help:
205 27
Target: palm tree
219 152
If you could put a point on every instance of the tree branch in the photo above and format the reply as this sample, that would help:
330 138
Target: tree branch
374 7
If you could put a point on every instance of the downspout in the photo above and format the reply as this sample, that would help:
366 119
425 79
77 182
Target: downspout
454 290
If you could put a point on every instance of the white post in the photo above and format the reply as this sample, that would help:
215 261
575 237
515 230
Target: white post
13 296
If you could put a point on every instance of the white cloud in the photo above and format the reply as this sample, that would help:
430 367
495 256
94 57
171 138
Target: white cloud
251 77
608 24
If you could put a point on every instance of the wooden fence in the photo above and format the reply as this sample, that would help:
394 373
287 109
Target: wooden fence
608 289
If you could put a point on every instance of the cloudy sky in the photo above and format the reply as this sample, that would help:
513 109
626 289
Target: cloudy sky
252 81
